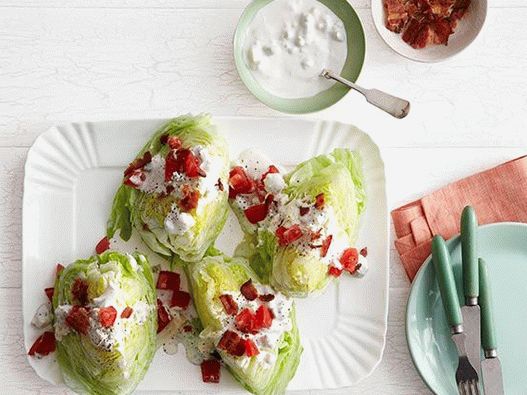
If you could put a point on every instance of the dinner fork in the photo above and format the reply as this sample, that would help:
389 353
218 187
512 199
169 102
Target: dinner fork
466 377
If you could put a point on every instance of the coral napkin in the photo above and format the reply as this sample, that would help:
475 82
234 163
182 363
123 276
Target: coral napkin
497 195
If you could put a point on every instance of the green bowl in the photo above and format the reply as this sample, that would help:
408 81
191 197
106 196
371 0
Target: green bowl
352 67
504 247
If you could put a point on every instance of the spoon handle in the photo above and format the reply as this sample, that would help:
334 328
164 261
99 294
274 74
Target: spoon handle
395 106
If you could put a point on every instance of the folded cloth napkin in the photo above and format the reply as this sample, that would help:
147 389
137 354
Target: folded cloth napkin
497 195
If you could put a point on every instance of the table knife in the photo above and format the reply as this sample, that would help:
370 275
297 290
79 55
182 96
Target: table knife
471 310
491 366
465 372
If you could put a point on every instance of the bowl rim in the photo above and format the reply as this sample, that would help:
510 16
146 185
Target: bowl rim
304 105
380 26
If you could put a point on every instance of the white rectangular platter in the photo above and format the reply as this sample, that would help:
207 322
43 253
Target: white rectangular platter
72 172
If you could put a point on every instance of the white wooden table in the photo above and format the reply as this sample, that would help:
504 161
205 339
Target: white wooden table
63 60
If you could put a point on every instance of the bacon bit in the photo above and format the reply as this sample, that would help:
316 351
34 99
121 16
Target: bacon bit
219 185
107 316
79 291
263 318
320 201
49 293
304 211
187 328
250 348
138 163
271 170
127 312
210 371
168 280
396 15
364 252
313 236
255 214
266 297
229 304
78 319
163 139
135 179
174 142
245 321
335 272
180 299
325 246
349 259
248 290
190 199
163 318
232 343
239 182
44 345
287 236
59 269
102 245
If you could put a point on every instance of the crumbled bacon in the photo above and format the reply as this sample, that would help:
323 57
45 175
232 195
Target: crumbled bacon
79 291
190 199
229 304
424 22
232 343
248 290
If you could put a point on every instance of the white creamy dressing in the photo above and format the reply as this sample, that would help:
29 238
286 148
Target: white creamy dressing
267 339
178 222
43 317
286 212
290 42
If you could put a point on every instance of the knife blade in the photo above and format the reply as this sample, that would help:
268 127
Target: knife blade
491 365
471 310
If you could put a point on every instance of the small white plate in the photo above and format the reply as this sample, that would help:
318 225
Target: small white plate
72 173
467 30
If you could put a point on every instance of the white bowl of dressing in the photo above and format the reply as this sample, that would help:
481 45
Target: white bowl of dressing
281 47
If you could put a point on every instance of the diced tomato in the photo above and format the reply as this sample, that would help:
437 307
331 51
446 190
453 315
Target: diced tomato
335 272
304 211
232 343
349 259
229 304
44 345
174 142
102 245
163 318
248 290
319 201
250 348
107 316
257 213
127 312
271 170
180 299
135 179
245 321
191 164
49 293
364 252
264 317
325 246
240 182
287 236
59 269
168 280
138 163
190 199
79 291
210 371
171 166
78 319
266 297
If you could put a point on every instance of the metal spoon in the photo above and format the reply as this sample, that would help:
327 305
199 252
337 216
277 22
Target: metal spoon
394 106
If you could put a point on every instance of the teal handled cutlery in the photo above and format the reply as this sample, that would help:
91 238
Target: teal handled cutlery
491 366
471 310
466 376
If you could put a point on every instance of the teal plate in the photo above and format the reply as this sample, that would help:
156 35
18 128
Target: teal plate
504 247
351 70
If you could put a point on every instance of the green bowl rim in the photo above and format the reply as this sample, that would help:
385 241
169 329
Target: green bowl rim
301 105
411 295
